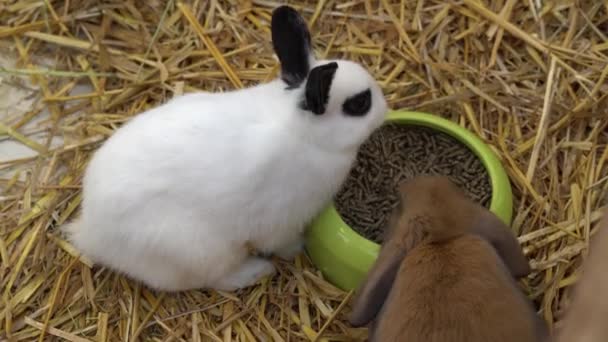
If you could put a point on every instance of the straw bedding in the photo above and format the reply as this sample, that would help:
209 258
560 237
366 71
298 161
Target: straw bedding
528 77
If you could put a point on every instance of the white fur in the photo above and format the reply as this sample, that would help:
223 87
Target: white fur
172 198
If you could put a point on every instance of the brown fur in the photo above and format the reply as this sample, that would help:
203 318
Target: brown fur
445 273
585 319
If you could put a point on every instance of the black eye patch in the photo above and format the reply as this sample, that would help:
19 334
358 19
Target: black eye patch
358 104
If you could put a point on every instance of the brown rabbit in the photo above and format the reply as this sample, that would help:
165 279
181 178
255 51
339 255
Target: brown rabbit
446 273
585 319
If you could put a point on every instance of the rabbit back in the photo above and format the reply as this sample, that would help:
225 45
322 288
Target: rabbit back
206 154
455 291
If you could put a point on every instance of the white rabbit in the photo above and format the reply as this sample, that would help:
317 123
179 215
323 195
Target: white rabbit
176 195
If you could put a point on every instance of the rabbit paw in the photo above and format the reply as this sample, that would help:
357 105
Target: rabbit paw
247 274
290 251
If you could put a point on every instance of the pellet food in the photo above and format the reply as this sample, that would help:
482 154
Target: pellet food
395 153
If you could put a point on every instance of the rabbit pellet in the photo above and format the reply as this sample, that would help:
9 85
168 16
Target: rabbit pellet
395 153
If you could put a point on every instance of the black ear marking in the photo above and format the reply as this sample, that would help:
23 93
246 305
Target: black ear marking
358 104
318 86
291 42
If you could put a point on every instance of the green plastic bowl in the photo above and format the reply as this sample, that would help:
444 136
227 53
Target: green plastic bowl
344 257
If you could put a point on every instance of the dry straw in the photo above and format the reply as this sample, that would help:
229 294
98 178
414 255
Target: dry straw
529 77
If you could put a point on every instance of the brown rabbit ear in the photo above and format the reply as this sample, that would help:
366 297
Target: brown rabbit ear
375 288
490 227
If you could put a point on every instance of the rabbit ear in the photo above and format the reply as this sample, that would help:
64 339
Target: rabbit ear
375 289
292 44
318 86
490 227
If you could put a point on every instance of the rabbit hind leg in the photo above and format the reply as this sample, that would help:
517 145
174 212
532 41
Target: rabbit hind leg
246 274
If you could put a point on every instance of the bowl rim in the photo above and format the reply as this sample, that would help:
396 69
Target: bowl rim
363 250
